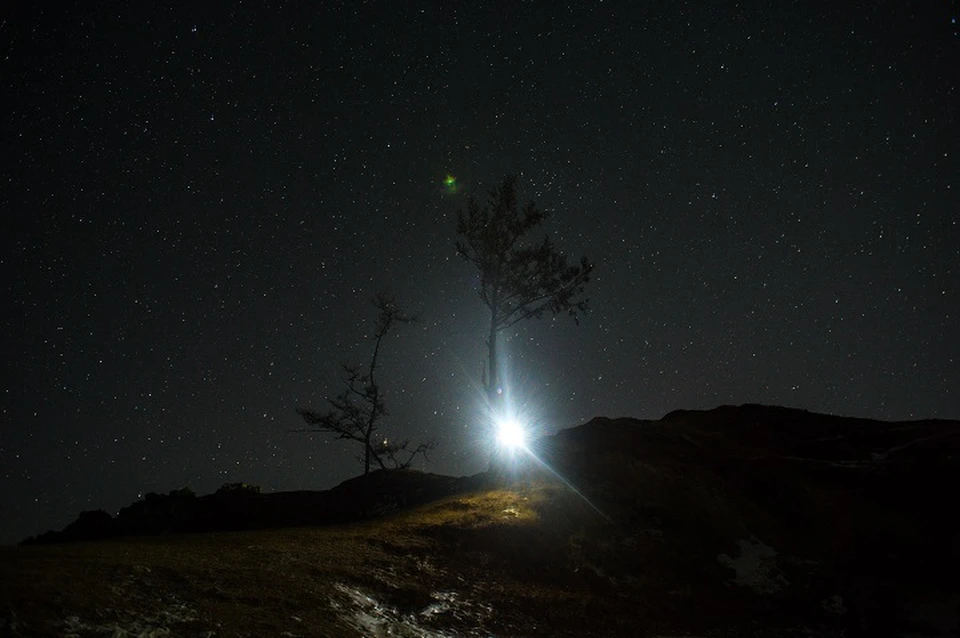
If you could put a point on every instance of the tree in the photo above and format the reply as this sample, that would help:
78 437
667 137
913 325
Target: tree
356 413
518 279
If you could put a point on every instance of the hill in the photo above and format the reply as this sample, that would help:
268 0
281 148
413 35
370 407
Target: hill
239 506
747 520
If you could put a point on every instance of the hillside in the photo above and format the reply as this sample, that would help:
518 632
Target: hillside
736 521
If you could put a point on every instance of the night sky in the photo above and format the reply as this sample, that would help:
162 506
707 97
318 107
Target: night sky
199 203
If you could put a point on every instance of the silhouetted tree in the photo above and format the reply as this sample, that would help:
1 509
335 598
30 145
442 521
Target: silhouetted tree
355 414
518 279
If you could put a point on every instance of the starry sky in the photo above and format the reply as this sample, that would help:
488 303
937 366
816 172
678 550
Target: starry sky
200 200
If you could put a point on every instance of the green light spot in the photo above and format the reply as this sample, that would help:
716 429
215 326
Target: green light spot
450 183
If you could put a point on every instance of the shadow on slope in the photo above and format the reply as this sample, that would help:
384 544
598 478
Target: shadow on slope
783 514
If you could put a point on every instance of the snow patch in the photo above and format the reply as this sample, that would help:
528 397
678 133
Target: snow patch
152 626
373 618
756 567
165 611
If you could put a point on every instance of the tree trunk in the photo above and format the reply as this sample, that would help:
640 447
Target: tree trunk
373 391
493 375
366 454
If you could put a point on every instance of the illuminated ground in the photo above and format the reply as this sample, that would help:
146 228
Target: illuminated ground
740 521
478 564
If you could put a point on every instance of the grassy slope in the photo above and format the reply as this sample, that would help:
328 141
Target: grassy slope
477 564
853 509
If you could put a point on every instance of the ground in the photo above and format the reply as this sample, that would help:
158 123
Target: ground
746 521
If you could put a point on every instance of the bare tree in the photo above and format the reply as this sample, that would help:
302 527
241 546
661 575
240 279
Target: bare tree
518 279
355 414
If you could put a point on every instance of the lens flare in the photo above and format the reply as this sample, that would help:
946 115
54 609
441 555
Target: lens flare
510 434
450 184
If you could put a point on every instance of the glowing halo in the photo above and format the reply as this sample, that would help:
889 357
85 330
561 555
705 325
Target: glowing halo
511 434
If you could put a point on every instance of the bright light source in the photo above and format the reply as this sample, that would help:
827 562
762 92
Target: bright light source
510 434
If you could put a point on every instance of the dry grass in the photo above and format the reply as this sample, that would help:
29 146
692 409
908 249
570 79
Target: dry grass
534 559
470 565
